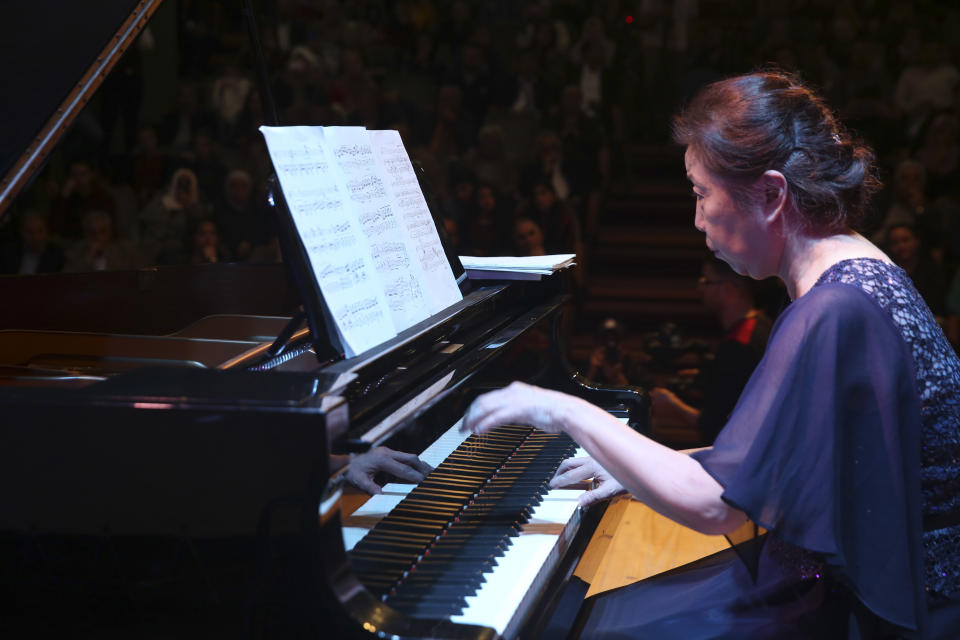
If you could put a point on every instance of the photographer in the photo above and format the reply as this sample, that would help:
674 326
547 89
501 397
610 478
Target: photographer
720 380
609 362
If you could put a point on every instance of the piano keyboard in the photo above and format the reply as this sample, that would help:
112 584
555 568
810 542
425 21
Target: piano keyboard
475 539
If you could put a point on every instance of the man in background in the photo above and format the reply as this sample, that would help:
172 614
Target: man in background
719 380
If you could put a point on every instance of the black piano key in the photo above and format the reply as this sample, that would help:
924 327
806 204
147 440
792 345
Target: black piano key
431 610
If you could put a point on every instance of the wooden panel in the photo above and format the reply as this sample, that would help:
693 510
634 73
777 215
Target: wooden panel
633 542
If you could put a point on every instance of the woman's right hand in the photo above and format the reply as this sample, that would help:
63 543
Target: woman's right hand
576 470
518 403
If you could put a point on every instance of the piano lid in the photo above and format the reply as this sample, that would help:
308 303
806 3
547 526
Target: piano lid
53 57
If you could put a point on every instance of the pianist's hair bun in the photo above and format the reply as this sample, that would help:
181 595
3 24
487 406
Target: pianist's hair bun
743 126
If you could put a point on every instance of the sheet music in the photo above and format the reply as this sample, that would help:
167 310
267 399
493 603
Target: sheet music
416 223
339 254
379 223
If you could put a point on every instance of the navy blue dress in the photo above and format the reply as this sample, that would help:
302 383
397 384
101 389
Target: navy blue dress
845 447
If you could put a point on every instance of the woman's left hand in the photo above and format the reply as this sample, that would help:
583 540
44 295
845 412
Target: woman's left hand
518 403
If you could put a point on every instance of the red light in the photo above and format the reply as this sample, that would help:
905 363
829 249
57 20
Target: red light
629 19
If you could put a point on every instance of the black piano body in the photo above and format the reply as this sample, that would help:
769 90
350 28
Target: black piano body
195 500
166 476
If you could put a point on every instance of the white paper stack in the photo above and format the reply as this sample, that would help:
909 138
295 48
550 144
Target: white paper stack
514 267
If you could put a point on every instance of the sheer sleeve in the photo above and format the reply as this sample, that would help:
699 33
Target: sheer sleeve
822 448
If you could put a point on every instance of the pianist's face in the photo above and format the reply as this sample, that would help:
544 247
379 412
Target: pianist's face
735 229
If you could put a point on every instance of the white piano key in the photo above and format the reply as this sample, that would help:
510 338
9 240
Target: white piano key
353 535
443 446
528 561
380 505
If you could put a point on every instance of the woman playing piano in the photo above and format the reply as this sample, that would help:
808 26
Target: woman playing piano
845 444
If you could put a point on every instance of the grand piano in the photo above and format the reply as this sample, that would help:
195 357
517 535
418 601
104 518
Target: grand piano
168 465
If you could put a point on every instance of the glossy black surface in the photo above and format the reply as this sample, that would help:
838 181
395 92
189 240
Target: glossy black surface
158 507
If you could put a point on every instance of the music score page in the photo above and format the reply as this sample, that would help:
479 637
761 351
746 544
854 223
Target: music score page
373 270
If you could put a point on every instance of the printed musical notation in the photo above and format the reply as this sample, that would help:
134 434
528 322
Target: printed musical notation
360 314
343 276
416 222
370 238
320 203
375 208
391 256
404 291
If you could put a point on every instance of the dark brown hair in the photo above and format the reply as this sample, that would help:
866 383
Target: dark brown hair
743 126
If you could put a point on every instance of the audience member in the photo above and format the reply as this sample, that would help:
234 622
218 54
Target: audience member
490 161
451 134
178 127
610 363
550 166
528 238
452 229
84 190
458 201
240 222
939 153
487 230
99 250
149 164
166 218
561 231
32 251
926 87
205 244
910 206
906 249
203 158
719 380
228 98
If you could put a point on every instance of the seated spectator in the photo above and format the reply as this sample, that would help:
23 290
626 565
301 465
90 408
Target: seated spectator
451 135
149 165
179 127
488 227
204 159
228 97
452 229
99 250
206 246
528 238
906 249
301 88
940 155
165 219
561 231
84 190
236 215
926 87
610 363
523 91
31 251
549 166
458 203
911 206
353 89
585 146
491 162
718 383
